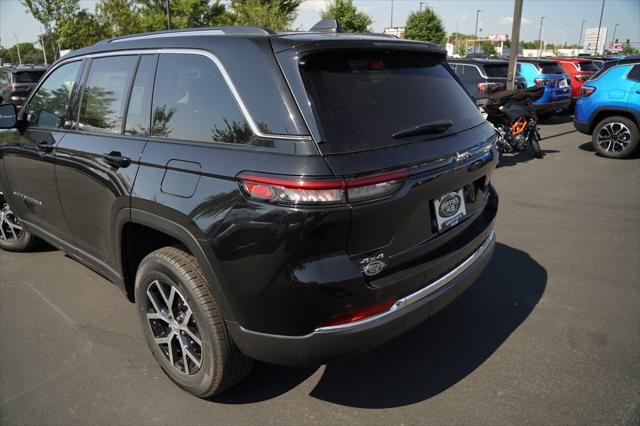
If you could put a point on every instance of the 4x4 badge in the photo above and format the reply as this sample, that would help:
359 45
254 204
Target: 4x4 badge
373 265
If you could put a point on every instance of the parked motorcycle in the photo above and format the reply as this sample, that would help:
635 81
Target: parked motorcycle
514 118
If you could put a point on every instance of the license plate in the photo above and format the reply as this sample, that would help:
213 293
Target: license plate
450 209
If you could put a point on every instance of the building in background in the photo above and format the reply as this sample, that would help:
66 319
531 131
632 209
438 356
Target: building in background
590 39
395 31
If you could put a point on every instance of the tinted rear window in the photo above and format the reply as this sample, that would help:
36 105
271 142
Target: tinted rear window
498 70
361 98
587 66
28 76
550 68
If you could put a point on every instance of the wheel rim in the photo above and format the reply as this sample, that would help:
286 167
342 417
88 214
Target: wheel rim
614 137
10 228
174 327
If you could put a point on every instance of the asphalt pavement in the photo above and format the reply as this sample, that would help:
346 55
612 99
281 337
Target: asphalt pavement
550 333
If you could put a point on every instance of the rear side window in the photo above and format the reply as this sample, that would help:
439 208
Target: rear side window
105 94
192 102
550 68
28 76
362 97
587 66
51 103
139 110
634 74
498 70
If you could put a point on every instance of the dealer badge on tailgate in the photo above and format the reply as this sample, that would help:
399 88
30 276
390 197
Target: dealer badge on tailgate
450 209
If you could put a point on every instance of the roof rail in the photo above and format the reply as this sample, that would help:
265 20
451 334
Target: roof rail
326 26
189 32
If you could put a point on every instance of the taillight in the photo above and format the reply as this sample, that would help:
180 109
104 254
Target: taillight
490 87
360 314
317 191
542 81
586 91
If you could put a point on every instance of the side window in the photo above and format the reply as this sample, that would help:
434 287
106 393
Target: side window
139 110
105 94
3 78
191 101
49 106
634 74
460 70
471 75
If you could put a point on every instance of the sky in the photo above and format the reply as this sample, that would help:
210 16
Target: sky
562 17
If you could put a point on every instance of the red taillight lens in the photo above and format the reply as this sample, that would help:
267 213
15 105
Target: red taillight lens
586 91
316 191
490 87
541 81
360 314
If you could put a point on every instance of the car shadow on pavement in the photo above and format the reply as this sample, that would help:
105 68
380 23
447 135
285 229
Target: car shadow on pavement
556 119
428 359
509 160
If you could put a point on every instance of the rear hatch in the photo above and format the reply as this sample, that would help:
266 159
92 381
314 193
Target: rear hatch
555 79
498 73
362 104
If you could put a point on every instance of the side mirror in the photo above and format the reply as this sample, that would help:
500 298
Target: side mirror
8 117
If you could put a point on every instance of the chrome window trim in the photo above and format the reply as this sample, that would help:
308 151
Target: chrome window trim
482 74
213 58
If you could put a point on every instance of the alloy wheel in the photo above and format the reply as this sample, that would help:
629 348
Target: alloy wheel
10 228
614 137
174 327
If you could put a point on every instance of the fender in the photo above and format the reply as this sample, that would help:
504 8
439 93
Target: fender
198 248
609 109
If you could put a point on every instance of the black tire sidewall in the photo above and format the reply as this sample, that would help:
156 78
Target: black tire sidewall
629 149
23 243
157 268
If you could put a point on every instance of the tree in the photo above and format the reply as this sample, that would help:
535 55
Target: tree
627 49
29 54
119 17
80 30
51 12
272 14
425 25
350 18
488 48
184 14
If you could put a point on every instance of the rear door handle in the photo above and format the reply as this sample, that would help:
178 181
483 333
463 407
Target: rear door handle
44 146
115 159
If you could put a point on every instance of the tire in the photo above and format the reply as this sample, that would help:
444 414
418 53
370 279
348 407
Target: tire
177 274
12 236
615 137
535 146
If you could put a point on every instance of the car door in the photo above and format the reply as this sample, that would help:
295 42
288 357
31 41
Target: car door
98 161
28 152
633 101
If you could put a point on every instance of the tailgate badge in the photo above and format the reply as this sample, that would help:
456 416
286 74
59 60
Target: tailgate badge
373 265
462 156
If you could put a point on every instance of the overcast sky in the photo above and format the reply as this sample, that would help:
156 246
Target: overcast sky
562 17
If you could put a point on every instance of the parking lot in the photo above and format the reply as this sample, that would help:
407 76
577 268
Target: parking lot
549 334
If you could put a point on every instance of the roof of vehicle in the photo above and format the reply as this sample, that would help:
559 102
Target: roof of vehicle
579 60
624 61
480 61
537 61
22 68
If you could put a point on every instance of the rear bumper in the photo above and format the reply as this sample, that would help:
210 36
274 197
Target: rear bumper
553 105
581 127
328 344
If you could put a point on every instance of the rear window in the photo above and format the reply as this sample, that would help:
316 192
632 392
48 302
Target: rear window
361 98
550 68
28 76
587 66
498 70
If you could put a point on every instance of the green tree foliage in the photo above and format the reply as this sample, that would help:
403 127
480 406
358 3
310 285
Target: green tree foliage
272 14
50 12
184 14
118 17
627 49
350 18
81 29
488 48
425 26
29 54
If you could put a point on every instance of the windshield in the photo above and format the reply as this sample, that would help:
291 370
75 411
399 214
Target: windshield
550 68
28 76
361 98
498 70
587 66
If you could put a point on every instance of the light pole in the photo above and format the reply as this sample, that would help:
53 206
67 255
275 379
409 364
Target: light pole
580 36
613 40
515 41
475 42
18 49
168 7
540 36
421 3
599 26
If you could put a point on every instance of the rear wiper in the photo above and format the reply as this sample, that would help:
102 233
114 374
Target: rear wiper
433 127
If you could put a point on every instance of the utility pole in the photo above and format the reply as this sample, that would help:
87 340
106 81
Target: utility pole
44 48
168 6
475 41
18 49
613 40
515 41
540 36
391 13
421 3
599 25
580 37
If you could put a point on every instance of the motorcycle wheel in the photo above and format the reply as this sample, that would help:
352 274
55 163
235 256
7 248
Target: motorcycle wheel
535 146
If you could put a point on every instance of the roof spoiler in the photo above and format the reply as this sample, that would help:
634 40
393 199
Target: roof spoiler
326 26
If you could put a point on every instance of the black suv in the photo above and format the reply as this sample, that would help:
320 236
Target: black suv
16 82
481 77
294 198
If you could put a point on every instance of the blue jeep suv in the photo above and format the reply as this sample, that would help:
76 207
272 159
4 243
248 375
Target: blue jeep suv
557 85
609 108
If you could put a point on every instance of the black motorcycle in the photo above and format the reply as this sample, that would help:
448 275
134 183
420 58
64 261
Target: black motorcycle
512 114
